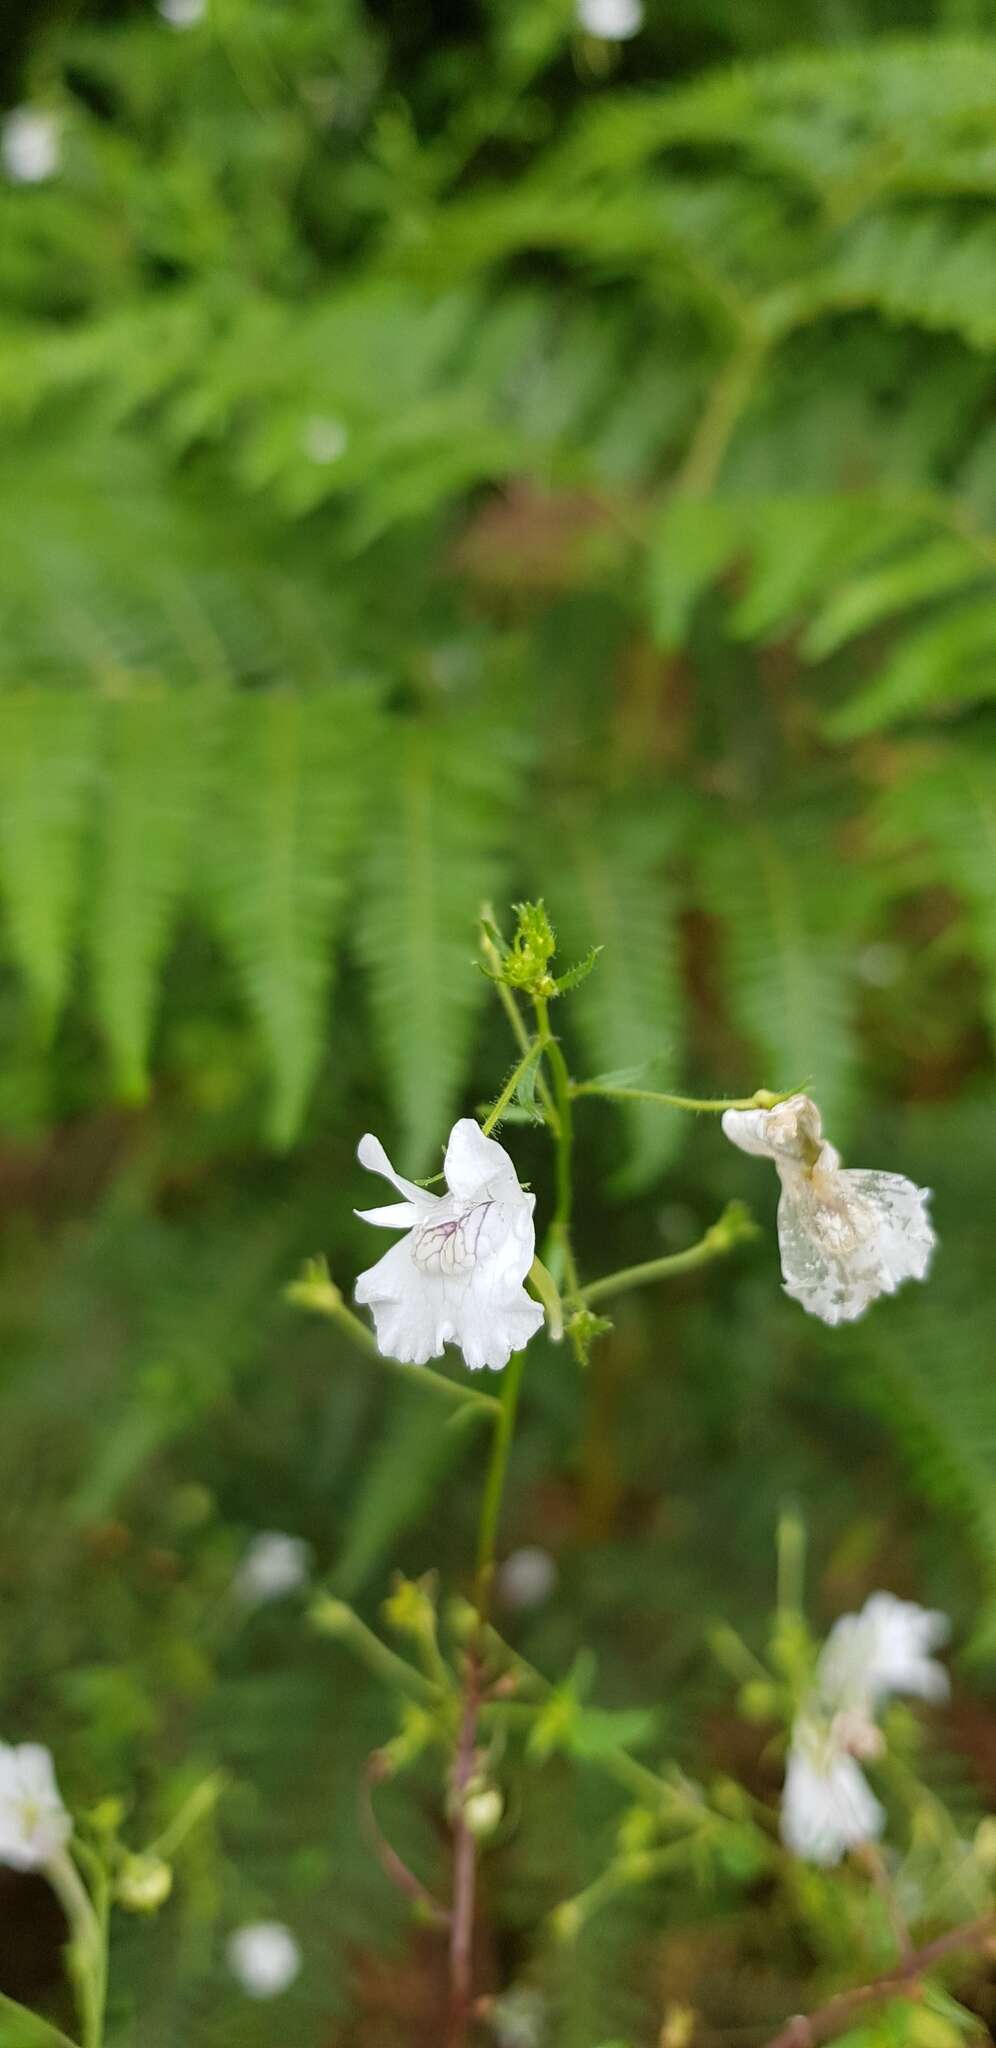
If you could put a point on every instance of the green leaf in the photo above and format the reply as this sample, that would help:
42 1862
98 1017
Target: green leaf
278 858
48 745
156 768
929 569
445 808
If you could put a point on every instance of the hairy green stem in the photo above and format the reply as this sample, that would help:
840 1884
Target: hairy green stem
529 1058
761 1099
561 1260
719 1239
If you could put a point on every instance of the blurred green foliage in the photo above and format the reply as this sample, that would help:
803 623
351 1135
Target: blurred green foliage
445 456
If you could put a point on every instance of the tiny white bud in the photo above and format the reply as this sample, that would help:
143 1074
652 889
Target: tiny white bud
274 1564
182 13
613 21
30 145
264 1958
527 1577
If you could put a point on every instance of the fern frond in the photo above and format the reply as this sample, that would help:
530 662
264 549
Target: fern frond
441 847
297 774
617 893
787 978
948 804
48 752
156 767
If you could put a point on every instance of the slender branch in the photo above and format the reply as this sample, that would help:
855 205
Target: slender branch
560 1225
732 1228
727 400
761 1099
529 1058
387 1856
315 1290
464 1844
464 1858
808 2030
336 1618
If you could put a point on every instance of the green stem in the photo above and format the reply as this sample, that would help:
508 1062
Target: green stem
719 1238
761 1099
529 1058
87 1943
317 1292
494 1485
511 1009
560 1226
46 2035
336 1618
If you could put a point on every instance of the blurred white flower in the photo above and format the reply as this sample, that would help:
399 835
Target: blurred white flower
828 1806
885 1649
30 145
614 21
845 1236
527 1577
325 439
456 1277
274 1564
182 13
34 1824
264 1958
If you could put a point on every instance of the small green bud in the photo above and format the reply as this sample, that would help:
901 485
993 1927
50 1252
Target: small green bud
417 1731
729 1798
567 1920
314 1289
410 1608
637 1830
143 1884
482 1811
757 1700
106 1818
582 1329
462 1619
329 1616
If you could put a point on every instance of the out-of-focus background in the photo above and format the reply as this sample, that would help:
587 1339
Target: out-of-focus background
448 452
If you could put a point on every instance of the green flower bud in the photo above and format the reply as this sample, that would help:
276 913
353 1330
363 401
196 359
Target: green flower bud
143 1884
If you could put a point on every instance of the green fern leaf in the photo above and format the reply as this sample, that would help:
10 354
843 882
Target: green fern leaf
157 762
47 764
439 851
616 893
786 972
297 770
948 803
949 661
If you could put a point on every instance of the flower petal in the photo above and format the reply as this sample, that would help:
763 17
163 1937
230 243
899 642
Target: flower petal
473 1161
371 1154
828 1805
393 1216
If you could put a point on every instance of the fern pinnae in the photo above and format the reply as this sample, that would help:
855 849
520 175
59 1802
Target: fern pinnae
298 775
48 759
158 745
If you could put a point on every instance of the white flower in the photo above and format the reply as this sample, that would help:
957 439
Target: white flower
182 13
264 1957
30 145
885 1649
34 1824
527 1577
828 1806
456 1277
274 1564
845 1236
614 21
